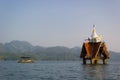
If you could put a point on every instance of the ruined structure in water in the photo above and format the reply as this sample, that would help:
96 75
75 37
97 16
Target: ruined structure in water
94 49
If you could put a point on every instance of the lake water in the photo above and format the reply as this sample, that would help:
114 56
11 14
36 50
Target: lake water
58 70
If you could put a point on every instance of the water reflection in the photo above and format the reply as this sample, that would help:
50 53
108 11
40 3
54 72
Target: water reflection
94 72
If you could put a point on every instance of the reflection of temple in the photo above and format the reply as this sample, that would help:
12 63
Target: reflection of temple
94 49
94 72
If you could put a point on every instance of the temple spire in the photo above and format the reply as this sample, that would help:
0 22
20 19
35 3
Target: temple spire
94 34
93 25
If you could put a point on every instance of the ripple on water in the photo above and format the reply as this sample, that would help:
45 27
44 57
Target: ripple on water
58 70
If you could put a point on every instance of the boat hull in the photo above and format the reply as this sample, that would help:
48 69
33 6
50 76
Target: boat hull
25 61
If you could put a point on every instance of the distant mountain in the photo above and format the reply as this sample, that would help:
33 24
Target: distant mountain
18 46
1 48
114 56
14 49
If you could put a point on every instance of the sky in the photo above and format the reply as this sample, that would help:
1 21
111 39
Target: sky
60 22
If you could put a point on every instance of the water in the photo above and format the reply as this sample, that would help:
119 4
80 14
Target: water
58 70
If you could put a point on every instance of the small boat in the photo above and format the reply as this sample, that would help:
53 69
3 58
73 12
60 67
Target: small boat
25 60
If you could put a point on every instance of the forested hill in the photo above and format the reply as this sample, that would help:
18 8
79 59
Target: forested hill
15 49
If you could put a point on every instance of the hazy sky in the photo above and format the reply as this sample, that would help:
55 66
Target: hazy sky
60 22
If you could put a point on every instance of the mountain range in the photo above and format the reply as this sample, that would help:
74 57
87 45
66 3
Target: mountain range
15 49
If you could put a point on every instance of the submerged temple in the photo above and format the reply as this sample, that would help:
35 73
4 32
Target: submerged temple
94 49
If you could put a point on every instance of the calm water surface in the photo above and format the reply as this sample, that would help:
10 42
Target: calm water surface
58 70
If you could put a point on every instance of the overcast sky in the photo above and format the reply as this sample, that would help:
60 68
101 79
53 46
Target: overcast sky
60 22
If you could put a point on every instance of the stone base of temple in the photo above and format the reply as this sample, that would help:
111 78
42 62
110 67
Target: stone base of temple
94 60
